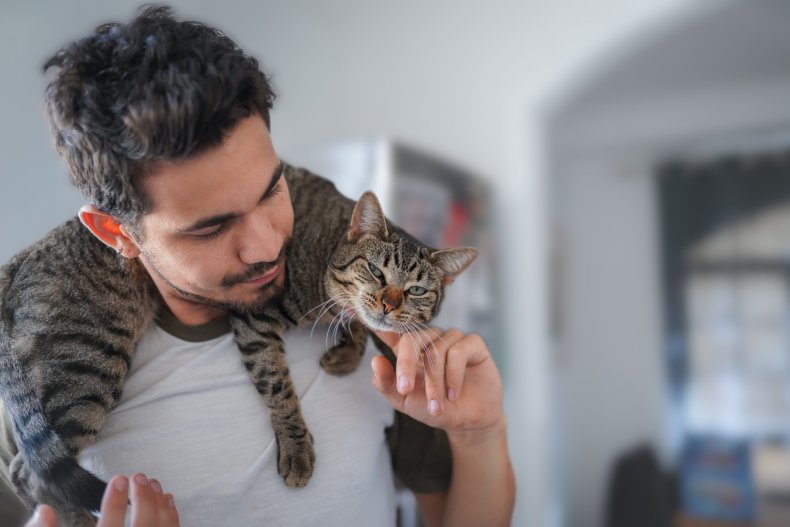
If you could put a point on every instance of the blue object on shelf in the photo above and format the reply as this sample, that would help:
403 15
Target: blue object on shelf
716 479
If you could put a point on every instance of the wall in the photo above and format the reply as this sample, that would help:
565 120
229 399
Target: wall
710 90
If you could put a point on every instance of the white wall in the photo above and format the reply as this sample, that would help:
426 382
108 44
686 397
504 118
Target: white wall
609 364
465 80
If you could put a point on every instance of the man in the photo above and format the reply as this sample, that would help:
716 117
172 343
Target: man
164 126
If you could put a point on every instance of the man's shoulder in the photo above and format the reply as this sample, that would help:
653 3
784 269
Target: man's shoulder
67 258
302 180
39 254
53 243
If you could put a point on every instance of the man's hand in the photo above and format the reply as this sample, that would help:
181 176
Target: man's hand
151 507
447 380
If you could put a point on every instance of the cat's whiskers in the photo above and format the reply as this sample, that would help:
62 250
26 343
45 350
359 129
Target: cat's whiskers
409 332
339 323
414 345
329 329
432 331
412 333
323 306
351 315
428 337
329 304
319 306
337 319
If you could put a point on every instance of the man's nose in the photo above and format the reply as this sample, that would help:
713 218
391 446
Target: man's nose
259 241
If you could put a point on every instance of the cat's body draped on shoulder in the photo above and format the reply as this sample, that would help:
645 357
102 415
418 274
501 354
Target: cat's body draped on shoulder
72 311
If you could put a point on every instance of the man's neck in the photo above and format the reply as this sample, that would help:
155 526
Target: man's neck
187 312
191 313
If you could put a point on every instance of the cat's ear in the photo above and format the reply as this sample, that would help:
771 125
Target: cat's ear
452 262
368 218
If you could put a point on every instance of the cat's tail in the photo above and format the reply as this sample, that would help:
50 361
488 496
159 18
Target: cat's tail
54 469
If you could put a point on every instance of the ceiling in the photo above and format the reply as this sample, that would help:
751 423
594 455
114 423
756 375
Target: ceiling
727 43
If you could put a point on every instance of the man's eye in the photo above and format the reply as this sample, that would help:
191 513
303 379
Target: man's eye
207 235
417 290
274 191
375 270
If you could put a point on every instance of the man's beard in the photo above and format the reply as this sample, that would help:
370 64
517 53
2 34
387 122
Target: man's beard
267 295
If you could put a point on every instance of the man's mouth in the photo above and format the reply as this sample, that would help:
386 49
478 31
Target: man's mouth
260 273
267 277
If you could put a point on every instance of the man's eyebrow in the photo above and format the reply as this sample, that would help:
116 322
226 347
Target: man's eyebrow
222 218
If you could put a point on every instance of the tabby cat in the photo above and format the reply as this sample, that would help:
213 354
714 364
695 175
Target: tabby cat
67 336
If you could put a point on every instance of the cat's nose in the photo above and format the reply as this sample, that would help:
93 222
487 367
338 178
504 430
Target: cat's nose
389 305
391 299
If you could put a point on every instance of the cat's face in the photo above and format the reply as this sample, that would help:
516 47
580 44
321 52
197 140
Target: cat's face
389 280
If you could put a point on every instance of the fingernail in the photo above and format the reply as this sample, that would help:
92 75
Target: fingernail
141 479
121 484
170 502
403 383
156 487
451 394
435 406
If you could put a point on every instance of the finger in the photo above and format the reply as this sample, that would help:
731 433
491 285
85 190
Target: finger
409 362
435 388
426 340
475 349
162 510
114 503
143 502
455 368
384 381
389 338
171 507
43 517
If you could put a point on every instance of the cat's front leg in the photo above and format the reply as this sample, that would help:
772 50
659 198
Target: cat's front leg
347 354
72 516
31 494
21 478
260 342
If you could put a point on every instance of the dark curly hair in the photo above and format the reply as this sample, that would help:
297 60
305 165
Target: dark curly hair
130 95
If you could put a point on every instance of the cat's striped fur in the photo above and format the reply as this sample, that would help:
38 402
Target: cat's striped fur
71 312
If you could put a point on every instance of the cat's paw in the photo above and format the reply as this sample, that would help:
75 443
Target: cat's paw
20 477
343 358
296 458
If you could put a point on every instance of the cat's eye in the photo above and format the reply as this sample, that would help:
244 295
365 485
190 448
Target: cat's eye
416 290
375 270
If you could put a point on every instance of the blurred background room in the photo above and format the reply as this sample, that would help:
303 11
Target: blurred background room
624 167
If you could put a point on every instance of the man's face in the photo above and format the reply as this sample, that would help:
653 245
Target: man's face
219 223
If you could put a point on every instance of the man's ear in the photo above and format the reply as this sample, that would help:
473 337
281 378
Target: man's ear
109 230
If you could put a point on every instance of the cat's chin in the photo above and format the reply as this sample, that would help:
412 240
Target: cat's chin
376 323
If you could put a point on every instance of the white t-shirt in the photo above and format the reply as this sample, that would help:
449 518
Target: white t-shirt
190 417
